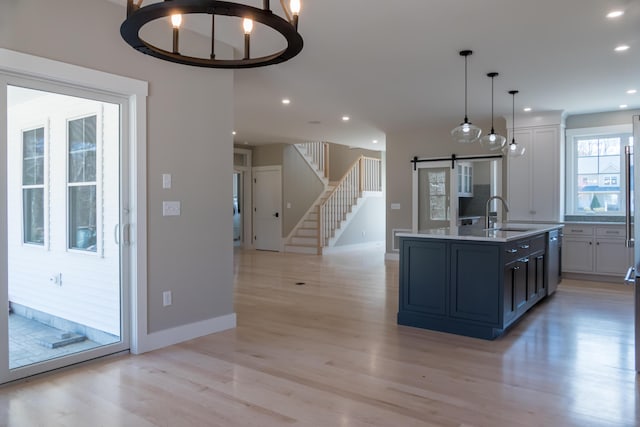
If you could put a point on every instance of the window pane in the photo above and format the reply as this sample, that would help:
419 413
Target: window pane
609 164
82 217
587 147
610 146
33 157
587 165
33 211
82 150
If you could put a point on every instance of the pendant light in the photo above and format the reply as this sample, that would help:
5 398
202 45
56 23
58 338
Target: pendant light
493 141
513 149
466 133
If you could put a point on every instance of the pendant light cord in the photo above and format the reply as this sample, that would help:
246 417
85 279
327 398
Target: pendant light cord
492 130
466 120
513 117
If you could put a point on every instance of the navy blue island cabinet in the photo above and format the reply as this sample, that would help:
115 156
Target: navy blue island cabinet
472 288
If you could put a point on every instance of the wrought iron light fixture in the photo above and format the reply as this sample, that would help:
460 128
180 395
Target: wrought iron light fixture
138 16
466 133
493 141
513 149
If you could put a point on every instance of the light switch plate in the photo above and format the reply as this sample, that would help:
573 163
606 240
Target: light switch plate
170 208
166 180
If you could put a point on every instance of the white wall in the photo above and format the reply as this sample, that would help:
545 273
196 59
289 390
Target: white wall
189 125
89 293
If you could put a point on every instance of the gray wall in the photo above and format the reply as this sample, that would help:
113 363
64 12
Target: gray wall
434 141
190 119
267 155
342 157
369 220
300 188
619 117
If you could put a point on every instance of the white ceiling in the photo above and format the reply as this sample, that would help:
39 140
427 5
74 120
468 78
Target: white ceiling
394 65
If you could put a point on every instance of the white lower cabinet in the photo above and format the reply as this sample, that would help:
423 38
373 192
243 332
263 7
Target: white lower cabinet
595 250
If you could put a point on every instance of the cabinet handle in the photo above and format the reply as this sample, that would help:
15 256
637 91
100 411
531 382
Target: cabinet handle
516 268
524 247
598 243
577 230
511 251
525 260
590 243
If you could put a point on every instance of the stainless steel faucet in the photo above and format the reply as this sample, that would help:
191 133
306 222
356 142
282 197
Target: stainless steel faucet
490 223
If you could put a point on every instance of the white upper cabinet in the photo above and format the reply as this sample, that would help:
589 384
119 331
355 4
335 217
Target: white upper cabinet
535 181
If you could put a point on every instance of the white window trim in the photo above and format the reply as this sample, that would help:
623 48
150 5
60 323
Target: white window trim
99 114
136 91
571 176
45 185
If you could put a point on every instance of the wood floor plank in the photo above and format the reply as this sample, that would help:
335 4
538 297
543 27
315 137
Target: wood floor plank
330 353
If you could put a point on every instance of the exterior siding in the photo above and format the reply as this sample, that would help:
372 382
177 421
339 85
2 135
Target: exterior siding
89 292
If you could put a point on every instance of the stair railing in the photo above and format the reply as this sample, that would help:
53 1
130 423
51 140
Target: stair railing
318 152
363 175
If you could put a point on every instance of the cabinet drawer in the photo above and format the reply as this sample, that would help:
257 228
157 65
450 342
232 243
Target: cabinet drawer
610 232
512 251
537 243
578 230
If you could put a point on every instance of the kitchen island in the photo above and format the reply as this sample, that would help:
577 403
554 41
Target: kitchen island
476 282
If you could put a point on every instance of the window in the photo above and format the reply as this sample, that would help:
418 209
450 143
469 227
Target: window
82 183
595 170
33 186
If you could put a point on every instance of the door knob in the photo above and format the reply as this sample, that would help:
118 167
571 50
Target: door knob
277 215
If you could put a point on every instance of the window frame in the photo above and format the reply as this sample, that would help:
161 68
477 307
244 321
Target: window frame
571 137
45 184
98 113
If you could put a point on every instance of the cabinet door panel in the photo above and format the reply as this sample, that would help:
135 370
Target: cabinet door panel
521 282
545 175
612 257
424 276
577 255
475 279
520 175
509 301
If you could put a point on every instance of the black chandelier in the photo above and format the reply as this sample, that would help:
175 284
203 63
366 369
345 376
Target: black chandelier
138 16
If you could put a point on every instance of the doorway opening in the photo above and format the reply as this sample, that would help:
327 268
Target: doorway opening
64 179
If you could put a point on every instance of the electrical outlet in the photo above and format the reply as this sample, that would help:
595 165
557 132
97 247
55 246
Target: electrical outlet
166 298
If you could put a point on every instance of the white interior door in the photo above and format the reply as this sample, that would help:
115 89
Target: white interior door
267 205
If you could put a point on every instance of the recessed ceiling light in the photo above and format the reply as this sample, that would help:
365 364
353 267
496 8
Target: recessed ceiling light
286 101
527 109
345 118
621 48
375 141
623 106
632 91
234 132
615 14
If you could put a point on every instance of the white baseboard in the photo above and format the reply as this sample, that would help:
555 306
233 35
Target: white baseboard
356 246
183 333
392 256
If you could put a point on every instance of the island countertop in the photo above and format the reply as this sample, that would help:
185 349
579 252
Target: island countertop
504 232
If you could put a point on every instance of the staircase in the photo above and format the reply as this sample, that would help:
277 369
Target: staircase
327 218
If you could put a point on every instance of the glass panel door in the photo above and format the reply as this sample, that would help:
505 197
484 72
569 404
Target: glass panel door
434 197
65 285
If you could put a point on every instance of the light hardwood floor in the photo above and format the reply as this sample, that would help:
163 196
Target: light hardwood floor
329 353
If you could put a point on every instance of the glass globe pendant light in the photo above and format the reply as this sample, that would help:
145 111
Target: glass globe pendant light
493 141
513 149
466 133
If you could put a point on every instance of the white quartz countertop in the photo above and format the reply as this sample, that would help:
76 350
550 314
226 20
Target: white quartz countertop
502 232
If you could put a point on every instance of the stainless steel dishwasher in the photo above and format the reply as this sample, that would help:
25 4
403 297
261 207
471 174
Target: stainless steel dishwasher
554 260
